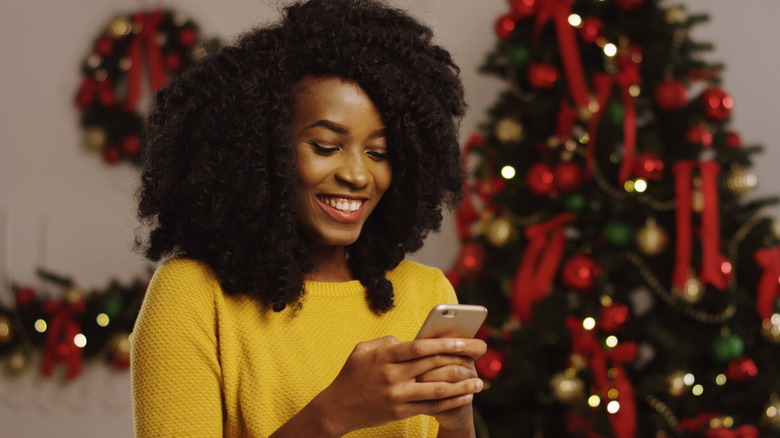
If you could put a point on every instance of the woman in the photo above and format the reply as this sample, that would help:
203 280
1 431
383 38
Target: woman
285 180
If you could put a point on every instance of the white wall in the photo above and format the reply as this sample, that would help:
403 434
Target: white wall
62 209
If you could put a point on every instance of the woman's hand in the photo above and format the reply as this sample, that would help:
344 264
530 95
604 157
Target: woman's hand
386 380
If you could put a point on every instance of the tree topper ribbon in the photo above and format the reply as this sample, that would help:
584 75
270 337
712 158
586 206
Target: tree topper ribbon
148 23
59 345
769 284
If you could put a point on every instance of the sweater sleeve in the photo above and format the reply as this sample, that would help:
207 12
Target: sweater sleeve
175 370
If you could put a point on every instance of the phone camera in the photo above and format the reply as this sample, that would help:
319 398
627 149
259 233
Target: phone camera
445 313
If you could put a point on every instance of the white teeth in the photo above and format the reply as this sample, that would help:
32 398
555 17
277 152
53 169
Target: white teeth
346 205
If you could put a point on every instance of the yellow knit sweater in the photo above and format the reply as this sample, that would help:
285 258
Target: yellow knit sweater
206 364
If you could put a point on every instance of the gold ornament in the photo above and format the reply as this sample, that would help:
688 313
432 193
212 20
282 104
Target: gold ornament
651 239
567 387
740 181
94 138
676 15
676 383
198 52
499 231
771 415
73 295
509 130
16 363
697 200
770 329
119 27
6 334
693 291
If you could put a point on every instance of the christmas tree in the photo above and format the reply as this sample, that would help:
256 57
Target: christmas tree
632 283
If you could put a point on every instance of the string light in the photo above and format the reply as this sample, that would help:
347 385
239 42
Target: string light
610 50
40 326
612 341
80 340
613 407
640 185
575 20
589 323
721 379
508 172
594 401
102 320
689 379
697 390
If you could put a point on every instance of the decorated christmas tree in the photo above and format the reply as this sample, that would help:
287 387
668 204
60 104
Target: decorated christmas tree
632 282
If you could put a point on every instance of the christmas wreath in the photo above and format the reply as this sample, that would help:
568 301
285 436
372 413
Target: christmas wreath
131 50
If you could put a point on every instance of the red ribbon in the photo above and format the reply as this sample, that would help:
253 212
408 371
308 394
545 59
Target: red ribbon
540 261
148 24
585 344
627 75
467 214
769 284
712 259
92 89
59 345
559 11
746 431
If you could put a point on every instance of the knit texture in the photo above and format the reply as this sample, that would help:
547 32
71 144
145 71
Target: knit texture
207 364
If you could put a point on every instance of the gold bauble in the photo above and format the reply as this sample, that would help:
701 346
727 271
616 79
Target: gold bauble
16 363
499 231
697 200
693 291
741 182
567 387
119 27
651 239
675 384
73 295
676 15
771 416
6 332
509 130
94 138
771 331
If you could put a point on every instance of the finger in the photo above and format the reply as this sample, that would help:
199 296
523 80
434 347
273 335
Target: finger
428 347
426 364
430 391
376 343
449 373
432 407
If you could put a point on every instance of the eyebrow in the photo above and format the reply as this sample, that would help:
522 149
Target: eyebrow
341 129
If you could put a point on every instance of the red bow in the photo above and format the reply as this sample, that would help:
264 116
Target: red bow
745 431
559 11
148 24
540 261
92 89
61 331
769 284
713 261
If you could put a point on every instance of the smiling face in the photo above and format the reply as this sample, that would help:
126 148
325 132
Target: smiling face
341 158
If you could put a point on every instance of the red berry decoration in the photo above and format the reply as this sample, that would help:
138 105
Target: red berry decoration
699 135
111 154
522 8
592 29
612 317
671 95
505 25
104 46
648 166
542 76
470 260
540 179
628 5
489 366
130 146
173 61
188 37
717 104
24 296
567 177
580 273
741 369
733 140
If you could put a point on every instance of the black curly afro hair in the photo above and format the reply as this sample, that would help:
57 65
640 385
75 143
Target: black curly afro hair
218 182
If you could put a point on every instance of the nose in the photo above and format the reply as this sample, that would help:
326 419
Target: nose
353 171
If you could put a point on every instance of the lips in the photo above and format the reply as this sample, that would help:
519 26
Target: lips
343 209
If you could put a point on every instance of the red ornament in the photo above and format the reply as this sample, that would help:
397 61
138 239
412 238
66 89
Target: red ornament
173 61
699 135
567 177
24 296
489 366
648 166
522 8
540 179
111 154
592 29
188 37
580 273
612 317
542 76
130 146
505 25
628 5
717 104
741 369
104 46
470 260
671 95
489 187
733 140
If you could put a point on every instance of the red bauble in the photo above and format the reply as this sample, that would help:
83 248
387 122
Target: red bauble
130 146
542 76
741 369
699 135
612 317
188 37
648 166
489 366
489 187
505 25
111 154
567 177
540 179
671 95
104 46
470 260
628 5
592 29
717 104
580 273
733 140
522 8
172 61
24 296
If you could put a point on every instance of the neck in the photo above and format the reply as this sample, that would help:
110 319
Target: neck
330 264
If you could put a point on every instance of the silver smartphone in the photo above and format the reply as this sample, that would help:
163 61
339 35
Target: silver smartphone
453 321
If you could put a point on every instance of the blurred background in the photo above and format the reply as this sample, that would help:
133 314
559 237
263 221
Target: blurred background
62 208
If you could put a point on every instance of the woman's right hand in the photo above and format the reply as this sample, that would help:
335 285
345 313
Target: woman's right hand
378 383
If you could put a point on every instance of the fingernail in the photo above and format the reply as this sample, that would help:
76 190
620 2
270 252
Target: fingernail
458 344
480 384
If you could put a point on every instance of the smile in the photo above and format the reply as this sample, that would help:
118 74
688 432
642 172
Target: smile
347 210
343 204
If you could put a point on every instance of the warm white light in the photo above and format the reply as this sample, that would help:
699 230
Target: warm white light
102 320
589 323
640 185
775 319
40 326
689 379
697 390
610 50
721 379
612 341
575 20
80 340
594 401
613 407
508 172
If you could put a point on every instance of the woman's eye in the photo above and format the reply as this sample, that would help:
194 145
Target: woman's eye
322 150
377 155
